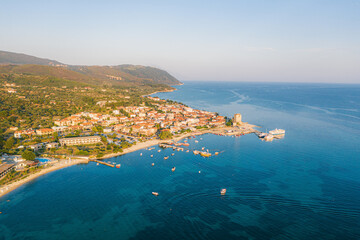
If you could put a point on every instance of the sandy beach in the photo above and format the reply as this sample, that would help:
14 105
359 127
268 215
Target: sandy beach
59 165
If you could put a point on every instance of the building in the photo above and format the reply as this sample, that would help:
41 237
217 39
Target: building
52 145
108 130
5 168
237 119
79 140
44 131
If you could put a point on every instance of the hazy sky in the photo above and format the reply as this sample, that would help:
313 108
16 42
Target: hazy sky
269 40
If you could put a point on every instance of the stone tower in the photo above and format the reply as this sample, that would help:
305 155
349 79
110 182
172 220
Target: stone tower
237 119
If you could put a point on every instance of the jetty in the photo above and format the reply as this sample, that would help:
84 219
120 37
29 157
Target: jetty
102 162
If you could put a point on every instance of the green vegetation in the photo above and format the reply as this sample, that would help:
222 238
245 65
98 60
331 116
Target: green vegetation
28 155
165 135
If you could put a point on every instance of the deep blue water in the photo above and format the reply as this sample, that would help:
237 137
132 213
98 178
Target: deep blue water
305 186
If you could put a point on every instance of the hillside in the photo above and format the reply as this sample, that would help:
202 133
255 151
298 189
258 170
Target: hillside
121 75
19 58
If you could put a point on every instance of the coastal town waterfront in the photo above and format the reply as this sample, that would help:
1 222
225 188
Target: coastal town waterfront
125 130
304 184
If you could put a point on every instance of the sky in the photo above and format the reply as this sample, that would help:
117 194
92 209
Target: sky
253 40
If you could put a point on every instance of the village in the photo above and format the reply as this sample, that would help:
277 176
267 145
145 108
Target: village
89 135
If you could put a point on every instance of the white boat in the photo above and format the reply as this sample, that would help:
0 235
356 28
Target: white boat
223 191
262 135
155 193
277 131
173 169
269 137
151 155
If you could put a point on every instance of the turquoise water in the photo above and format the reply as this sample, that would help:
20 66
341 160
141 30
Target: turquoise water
305 186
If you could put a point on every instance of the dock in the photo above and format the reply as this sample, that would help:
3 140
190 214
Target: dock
104 163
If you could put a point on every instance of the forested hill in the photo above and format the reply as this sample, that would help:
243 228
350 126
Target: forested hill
121 75
19 58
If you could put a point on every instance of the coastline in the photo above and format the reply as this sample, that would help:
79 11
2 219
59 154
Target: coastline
170 90
247 129
57 166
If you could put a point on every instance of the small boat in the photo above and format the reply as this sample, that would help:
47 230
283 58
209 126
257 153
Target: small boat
196 152
173 169
159 150
199 171
196 141
216 153
187 150
166 158
151 155
203 148
118 165
97 164
172 154
223 191
140 154
269 137
155 193
205 154
152 164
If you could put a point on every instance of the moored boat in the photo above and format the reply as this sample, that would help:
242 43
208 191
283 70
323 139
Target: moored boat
269 137
173 169
223 191
205 154
166 158
277 131
118 165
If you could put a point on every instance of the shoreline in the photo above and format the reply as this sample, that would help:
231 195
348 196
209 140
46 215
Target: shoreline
60 165
57 166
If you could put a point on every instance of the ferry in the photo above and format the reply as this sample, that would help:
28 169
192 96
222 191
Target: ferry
173 169
223 191
155 193
277 132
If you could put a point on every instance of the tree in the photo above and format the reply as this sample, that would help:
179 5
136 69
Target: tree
229 123
9 143
28 155
165 135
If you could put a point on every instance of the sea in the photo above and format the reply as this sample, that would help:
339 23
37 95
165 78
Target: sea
303 186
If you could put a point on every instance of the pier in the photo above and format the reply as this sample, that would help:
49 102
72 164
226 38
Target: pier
104 163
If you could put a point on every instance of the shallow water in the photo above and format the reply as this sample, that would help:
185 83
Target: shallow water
305 186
